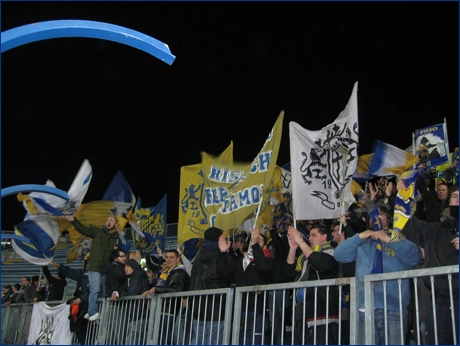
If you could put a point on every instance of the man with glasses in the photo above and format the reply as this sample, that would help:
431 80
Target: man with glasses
115 275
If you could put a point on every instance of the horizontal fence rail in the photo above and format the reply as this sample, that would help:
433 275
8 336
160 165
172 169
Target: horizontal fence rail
265 314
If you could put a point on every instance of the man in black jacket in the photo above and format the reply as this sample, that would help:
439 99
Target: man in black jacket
319 264
57 284
173 278
136 283
208 311
254 268
440 242
115 275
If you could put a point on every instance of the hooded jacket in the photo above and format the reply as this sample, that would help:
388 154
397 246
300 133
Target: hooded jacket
101 247
435 238
206 276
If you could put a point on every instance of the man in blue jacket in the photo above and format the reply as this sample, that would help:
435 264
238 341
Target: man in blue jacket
398 254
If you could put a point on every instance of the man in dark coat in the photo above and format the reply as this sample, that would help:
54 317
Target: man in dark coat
319 264
57 284
115 275
208 312
173 278
440 242
254 268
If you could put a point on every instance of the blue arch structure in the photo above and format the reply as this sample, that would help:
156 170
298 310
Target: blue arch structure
84 28
76 28
34 188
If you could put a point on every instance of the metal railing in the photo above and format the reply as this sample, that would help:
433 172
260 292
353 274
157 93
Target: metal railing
370 280
174 318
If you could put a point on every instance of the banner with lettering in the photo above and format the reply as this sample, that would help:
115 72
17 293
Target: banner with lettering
431 145
233 193
193 216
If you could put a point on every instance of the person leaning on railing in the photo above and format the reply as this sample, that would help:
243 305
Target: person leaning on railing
398 254
440 242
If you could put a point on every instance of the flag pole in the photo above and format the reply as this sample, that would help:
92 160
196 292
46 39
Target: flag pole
255 221
343 202
447 142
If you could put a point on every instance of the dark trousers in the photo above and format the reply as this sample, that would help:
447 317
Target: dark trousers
443 325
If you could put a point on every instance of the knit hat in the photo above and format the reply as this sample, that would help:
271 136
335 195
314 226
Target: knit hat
133 264
212 234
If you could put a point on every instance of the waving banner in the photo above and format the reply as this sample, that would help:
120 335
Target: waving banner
193 216
152 223
323 163
233 192
431 145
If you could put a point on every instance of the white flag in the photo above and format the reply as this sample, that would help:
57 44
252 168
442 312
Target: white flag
323 163
49 325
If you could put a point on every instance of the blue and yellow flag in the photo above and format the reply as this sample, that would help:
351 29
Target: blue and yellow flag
406 199
193 216
233 192
390 160
152 223
431 145
377 267
42 233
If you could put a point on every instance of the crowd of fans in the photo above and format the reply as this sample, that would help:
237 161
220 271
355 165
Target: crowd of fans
286 252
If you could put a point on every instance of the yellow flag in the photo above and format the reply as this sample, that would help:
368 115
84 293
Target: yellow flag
233 192
193 217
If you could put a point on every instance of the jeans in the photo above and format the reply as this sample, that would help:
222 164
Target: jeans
393 327
94 289
207 333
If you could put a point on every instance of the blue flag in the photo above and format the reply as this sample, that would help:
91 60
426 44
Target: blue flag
377 224
152 223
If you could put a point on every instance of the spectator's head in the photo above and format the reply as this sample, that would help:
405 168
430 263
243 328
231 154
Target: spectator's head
36 280
442 191
344 234
386 216
135 255
26 281
111 223
16 288
336 236
241 244
59 275
118 255
131 266
453 202
319 235
6 288
172 259
213 234
149 273
262 241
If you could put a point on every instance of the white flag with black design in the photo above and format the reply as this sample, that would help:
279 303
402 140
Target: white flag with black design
49 325
323 163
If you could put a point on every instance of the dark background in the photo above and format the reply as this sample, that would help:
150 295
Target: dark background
238 64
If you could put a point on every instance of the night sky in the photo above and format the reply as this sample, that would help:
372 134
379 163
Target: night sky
237 66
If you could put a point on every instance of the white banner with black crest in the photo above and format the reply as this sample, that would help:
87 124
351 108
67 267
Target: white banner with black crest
49 325
323 163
